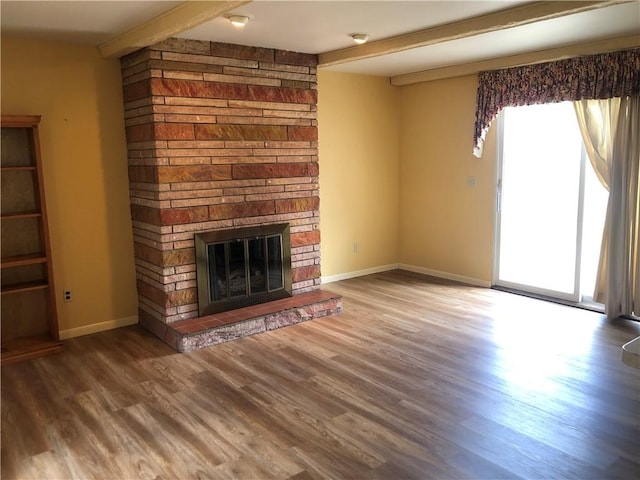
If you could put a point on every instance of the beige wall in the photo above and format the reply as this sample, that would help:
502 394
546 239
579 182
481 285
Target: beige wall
79 96
401 159
358 121
445 225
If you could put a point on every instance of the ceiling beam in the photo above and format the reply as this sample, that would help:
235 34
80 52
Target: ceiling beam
172 22
552 54
509 18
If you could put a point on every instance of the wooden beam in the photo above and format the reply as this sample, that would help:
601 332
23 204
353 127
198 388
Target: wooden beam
590 48
513 17
172 22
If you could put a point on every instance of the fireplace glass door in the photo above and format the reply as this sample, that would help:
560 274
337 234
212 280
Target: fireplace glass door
243 267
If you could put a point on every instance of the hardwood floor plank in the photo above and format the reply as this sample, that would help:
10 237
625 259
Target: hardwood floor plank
46 465
267 353
554 430
244 467
532 459
322 462
173 454
392 417
391 446
473 466
303 475
624 468
75 449
418 378
124 449
278 462
226 432
390 470
315 429
21 429
249 410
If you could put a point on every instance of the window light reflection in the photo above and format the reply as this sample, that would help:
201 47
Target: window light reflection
538 342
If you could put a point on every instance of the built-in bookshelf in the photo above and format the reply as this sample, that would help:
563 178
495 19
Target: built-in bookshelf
29 320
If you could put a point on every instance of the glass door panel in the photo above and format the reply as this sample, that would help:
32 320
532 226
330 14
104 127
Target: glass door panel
540 213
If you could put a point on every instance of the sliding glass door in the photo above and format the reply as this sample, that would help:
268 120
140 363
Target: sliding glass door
542 189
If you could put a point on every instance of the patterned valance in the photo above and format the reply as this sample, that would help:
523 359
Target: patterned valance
607 75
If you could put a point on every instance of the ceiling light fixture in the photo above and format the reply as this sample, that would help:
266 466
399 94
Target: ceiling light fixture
238 20
360 38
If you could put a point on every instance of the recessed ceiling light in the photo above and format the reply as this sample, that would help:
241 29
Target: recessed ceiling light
238 20
360 38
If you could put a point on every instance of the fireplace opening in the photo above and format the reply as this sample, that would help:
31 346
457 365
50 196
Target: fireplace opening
244 266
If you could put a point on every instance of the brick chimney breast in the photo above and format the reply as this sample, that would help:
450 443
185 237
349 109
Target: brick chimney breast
219 136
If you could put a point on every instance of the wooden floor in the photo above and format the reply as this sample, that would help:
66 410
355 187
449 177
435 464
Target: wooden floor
415 379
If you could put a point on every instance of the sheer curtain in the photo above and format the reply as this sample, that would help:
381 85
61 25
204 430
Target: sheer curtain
597 120
611 133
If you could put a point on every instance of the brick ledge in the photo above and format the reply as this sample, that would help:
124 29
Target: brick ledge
192 334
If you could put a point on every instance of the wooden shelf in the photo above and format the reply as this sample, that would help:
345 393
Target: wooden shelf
20 121
29 317
9 216
20 260
24 287
18 168
25 348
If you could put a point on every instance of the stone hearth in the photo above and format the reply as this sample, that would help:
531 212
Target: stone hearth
189 335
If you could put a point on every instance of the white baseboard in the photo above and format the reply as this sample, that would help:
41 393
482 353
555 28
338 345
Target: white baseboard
98 327
410 268
449 276
359 273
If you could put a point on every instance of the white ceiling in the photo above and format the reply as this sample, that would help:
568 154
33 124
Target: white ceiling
86 22
317 27
324 26
614 21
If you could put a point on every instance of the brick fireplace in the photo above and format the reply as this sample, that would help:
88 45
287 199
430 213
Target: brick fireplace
219 137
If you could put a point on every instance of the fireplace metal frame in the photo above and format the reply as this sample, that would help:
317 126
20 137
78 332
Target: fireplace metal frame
204 239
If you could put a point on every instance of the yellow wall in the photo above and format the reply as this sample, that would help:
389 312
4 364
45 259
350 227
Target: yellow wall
446 225
394 176
79 96
358 121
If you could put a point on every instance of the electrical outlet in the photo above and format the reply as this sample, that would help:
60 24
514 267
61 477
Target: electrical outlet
67 296
355 247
